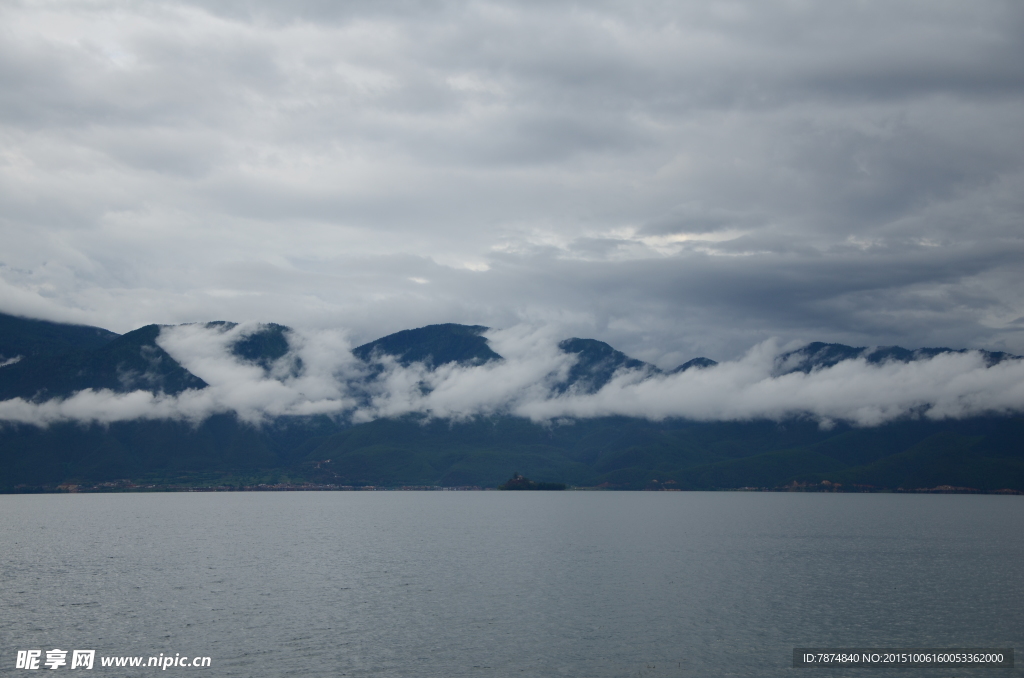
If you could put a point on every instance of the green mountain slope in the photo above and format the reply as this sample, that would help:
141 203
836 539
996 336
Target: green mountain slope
27 337
985 453
261 347
434 345
612 452
596 363
953 458
128 362
817 355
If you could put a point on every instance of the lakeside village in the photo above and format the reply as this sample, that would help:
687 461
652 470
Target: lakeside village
517 482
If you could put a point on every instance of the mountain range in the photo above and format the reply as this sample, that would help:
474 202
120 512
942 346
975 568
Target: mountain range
44 362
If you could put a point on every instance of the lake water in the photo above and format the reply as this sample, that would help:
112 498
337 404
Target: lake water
508 584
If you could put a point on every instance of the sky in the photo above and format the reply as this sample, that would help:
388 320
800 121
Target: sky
678 179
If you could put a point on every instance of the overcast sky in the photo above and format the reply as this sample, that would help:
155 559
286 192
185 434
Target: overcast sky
676 178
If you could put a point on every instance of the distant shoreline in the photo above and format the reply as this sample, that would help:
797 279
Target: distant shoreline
108 488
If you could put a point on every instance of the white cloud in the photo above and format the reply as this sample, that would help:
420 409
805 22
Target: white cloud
321 376
946 386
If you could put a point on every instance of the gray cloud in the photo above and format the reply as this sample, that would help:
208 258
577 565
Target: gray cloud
677 179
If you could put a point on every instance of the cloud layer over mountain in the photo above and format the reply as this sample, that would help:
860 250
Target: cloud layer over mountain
320 375
677 178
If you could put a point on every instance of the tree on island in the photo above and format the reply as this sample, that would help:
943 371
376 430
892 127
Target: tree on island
518 482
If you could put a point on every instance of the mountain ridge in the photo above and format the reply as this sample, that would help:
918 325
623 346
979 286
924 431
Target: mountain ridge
819 355
128 362
617 452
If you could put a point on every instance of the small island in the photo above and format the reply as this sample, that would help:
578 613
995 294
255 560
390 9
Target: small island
518 482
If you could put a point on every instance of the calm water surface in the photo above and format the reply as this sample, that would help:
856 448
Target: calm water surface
508 584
